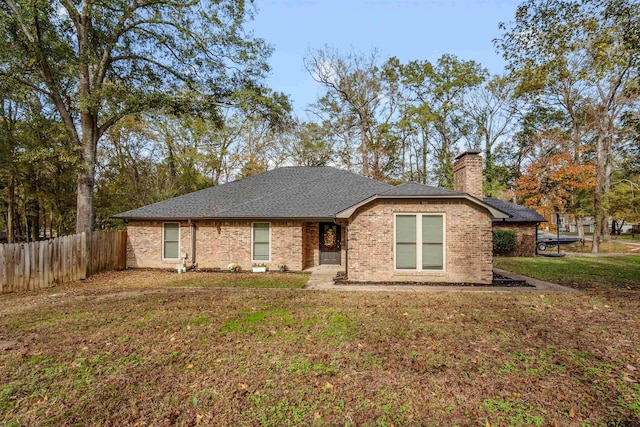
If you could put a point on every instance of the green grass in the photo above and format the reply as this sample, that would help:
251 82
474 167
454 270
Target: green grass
628 237
611 272
117 350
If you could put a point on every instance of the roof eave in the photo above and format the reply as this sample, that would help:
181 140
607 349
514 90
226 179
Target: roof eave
226 218
495 213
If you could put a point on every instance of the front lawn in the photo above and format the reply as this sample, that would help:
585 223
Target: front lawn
610 272
239 280
117 351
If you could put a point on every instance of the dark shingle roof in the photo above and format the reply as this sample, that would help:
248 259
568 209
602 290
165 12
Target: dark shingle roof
298 192
288 192
518 213
417 189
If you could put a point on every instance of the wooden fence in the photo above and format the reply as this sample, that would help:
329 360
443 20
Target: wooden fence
37 265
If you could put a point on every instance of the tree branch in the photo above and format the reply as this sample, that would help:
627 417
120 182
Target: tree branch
23 26
25 82
73 13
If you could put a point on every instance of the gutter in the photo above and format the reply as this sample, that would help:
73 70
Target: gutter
192 236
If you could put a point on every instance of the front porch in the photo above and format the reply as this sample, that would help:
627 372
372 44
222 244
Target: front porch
323 245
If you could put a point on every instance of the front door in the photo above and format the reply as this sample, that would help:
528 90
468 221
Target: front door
330 243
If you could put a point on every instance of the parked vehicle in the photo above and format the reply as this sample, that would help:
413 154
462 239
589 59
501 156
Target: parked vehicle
548 239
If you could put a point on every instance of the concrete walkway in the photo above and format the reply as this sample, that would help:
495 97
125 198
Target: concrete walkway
322 279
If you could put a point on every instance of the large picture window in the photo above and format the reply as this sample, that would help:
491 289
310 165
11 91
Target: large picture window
171 240
419 242
261 237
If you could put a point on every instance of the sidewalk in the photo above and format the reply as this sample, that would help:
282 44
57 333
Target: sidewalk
322 279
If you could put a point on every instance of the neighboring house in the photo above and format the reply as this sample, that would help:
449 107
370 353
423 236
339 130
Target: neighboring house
569 223
308 216
523 221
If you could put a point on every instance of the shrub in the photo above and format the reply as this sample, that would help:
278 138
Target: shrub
504 242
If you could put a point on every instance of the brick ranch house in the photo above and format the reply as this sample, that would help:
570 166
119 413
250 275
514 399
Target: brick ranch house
308 216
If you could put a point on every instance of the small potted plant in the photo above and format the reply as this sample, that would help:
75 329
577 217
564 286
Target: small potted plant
234 267
259 268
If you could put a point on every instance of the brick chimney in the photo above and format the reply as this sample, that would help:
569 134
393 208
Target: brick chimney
467 173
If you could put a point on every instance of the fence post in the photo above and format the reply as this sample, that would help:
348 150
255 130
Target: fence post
85 256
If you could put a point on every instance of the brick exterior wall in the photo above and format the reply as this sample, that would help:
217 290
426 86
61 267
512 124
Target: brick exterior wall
218 244
144 244
525 237
310 244
467 173
468 242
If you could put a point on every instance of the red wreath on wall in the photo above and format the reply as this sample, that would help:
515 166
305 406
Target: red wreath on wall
330 239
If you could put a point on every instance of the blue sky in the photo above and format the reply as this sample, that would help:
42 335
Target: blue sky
408 29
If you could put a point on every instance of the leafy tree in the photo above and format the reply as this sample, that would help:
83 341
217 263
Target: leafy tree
152 157
310 144
96 62
624 203
554 181
359 102
624 199
35 161
587 52
493 110
434 96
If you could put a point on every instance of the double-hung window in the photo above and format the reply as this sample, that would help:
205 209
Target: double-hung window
171 240
419 242
261 241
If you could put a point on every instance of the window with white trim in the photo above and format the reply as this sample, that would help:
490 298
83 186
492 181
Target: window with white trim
261 241
419 242
171 240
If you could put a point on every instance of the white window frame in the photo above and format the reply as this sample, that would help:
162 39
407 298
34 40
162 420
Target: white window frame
260 261
163 241
418 216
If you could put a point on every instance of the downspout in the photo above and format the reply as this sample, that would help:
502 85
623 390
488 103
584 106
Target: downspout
346 246
192 235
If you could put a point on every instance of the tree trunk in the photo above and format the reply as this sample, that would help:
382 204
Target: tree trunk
364 149
580 227
425 150
488 167
11 210
32 209
598 202
86 176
